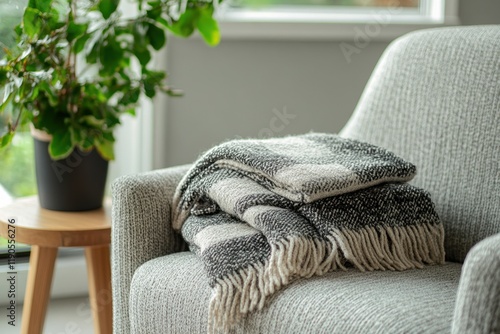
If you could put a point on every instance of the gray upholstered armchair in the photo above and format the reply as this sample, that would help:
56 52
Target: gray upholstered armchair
434 99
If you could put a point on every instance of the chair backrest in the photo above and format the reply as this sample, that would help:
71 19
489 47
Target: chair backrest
434 99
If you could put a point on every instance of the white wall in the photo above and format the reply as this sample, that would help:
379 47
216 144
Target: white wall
237 88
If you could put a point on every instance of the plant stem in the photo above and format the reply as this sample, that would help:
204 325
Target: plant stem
14 127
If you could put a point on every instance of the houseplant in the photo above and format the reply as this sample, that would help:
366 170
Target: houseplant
77 67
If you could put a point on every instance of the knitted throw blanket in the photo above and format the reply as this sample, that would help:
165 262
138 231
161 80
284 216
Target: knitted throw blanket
260 213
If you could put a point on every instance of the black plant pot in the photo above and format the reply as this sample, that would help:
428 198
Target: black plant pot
73 184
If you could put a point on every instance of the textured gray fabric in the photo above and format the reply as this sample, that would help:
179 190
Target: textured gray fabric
140 231
478 302
434 99
171 295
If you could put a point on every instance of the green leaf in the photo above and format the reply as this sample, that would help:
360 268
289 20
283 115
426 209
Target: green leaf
111 118
149 88
33 93
3 75
93 47
91 89
43 6
111 55
141 42
25 53
86 145
17 81
18 30
162 21
80 43
171 91
7 93
26 118
105 148
76 136
91 120
47 92
156 37
93 53
130 111
6 139
32 23
131 96
123 29
155 10
143 56
108 7
61 146
186 24
108 136
155 75
139 32
6 101
53 21
208 27
76 30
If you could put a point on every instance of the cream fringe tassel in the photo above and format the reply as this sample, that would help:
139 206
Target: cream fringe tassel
369 248
393 248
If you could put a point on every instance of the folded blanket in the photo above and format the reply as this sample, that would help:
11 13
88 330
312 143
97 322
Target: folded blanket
261 212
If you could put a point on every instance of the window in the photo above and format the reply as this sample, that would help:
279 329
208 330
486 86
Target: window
337 3
332 19
11 13
17 173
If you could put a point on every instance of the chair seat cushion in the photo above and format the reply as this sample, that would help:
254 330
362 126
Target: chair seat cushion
170 294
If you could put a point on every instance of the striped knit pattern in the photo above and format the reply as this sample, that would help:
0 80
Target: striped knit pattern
261 212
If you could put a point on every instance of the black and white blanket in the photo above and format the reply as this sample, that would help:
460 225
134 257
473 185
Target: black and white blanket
260 213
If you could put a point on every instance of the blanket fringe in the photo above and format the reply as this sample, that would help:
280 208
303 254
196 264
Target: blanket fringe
369 248
246 291
234 296
298 256
393 248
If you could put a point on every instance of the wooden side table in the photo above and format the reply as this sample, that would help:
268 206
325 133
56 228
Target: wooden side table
48 230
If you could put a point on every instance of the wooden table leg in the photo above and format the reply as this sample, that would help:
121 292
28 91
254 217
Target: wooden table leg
40 272
99 273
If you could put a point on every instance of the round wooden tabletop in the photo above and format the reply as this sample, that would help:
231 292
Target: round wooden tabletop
37 226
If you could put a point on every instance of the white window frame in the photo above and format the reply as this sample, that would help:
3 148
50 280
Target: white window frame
334 23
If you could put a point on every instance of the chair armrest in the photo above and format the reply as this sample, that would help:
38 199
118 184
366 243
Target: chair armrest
477 309
140 231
